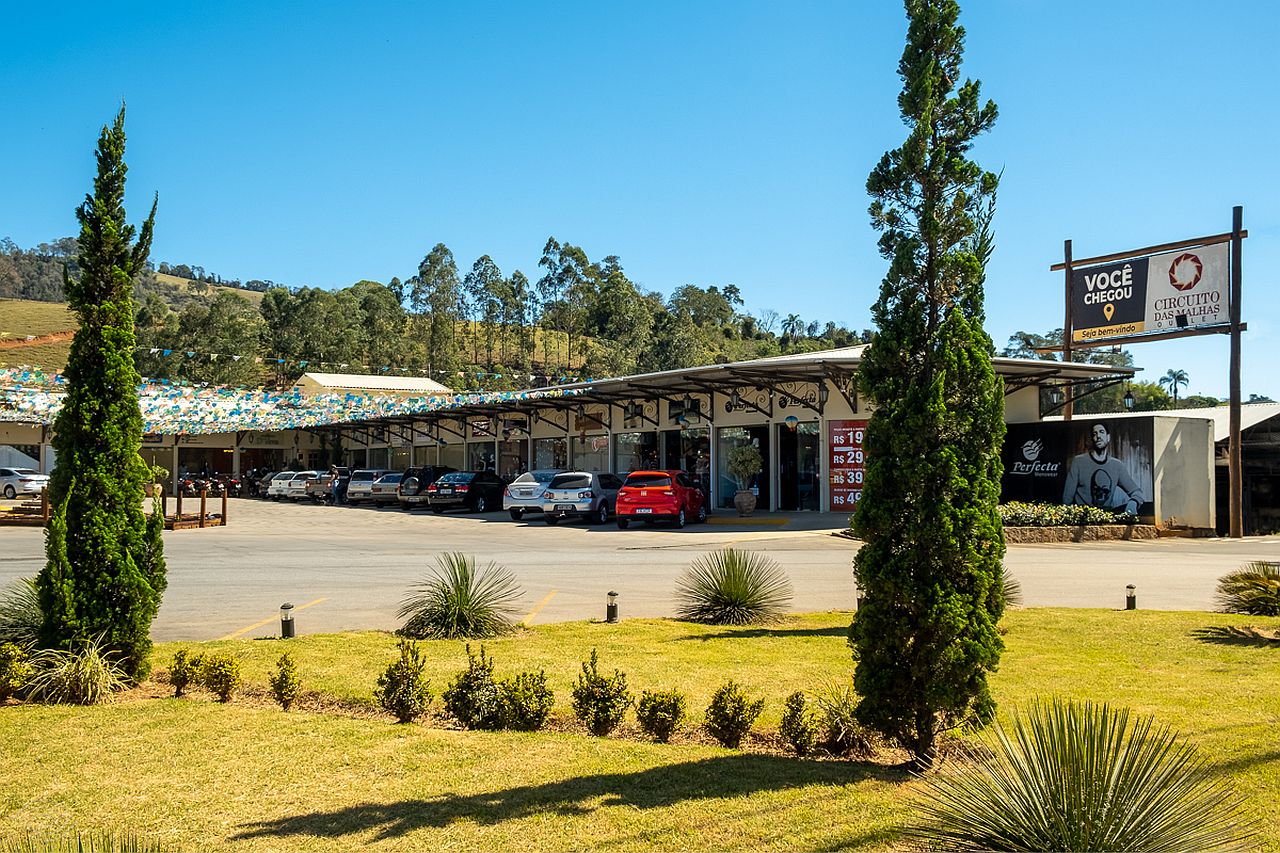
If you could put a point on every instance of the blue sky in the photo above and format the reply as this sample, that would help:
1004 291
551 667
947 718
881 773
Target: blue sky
704 143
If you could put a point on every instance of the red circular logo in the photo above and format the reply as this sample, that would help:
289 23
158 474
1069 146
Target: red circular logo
1185 271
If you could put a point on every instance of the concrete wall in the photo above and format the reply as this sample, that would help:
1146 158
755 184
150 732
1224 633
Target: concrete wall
1184 473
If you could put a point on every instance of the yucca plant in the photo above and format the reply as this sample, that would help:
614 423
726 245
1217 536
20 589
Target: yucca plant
1012 589
731 587
461 601
1070 776
82 676
20 615
1254 590
842 734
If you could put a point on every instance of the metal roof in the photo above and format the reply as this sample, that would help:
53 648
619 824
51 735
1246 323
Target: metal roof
1251 414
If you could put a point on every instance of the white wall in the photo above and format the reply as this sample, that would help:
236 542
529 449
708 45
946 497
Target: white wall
1184 474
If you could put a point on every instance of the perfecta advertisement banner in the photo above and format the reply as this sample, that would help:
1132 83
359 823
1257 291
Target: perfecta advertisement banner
1103 463
1158 293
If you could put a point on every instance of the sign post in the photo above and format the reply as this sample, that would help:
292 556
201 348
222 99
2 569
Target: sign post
1173 290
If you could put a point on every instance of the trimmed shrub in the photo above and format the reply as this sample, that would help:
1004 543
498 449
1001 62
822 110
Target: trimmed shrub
526 701
1072 776
15 669
81 676
1020 514
460 601
660 713
220 674
731 587
183 671
799 725
600 702
842 734
20 615
731 713
473 697
1254 590
286 685
403 689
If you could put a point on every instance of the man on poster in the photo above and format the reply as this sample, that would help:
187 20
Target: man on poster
1096 478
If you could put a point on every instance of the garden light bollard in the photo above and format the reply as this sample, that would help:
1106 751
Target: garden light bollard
611 608
1130 597
287 629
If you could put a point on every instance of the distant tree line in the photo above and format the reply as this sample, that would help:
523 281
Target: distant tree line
476 329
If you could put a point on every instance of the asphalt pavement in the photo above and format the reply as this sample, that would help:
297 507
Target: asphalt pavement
347 568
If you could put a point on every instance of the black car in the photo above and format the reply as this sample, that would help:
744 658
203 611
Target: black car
414 484
478 491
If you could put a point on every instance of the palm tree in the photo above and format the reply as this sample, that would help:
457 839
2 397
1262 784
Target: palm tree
1173 379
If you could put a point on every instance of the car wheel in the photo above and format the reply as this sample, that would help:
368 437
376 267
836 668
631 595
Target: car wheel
10 492
480 506
702 514
680 519
438 510
517 514
602 515
623 524
552 521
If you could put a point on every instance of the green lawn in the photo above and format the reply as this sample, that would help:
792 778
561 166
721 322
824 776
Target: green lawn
192 773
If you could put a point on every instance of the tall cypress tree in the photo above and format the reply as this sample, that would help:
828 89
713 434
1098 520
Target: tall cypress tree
925 636
105 571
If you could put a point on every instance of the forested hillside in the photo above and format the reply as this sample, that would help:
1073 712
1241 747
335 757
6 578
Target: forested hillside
473 328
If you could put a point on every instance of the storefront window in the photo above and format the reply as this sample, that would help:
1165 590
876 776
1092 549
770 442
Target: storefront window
798 487
551 453
480 456
424 454
513 457
635 451
378 457
452 455
399 458
590 453
690 450
729 438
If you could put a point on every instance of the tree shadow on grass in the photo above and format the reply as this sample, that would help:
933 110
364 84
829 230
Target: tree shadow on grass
757 632
655 788
1238 635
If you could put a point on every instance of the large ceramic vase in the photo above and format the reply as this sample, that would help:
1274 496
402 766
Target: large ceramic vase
745 501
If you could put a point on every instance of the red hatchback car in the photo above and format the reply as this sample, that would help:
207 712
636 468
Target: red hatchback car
666 495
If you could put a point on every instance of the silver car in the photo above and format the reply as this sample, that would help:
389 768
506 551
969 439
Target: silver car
580 494
386 489
360 487
22 481
524 495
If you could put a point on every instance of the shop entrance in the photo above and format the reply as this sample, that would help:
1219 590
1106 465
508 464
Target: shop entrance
729 438
689 450
798 467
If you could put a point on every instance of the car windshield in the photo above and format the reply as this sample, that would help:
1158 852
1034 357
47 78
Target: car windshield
570 481
364 475
648 480
26 472
390 478
457 477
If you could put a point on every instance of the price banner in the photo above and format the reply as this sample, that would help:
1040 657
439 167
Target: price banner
847 462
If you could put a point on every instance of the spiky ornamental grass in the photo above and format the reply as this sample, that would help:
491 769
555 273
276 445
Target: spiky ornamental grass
85 675
461 601
731 587
1070 776
1254 590
20 615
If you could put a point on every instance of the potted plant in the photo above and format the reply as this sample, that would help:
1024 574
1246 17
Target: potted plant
744 463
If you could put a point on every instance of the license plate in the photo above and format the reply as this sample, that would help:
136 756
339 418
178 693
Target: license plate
564 507
645 510
447 490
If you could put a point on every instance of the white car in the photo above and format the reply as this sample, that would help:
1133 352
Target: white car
276 488
296 487
386 489
22 481
360 488
524 494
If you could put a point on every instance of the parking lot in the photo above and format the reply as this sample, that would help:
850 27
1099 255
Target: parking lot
346 568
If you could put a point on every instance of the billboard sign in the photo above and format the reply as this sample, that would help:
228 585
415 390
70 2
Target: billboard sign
846 463
1103 463
1158 293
